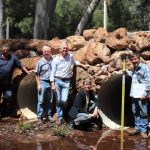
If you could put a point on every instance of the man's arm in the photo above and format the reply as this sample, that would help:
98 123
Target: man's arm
38 82
52 78
24 69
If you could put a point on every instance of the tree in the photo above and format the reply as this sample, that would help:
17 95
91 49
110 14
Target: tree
86 17
43 18
1 19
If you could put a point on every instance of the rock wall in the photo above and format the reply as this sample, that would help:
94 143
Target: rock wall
102 50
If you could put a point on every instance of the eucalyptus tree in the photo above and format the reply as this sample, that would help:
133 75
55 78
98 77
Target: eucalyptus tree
43 18
87 15
1 20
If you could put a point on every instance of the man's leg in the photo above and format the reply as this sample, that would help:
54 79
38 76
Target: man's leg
49 98
58 100
64 97
7 100
40 102
82 118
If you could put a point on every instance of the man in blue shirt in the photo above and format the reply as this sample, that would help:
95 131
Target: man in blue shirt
8 63
139 93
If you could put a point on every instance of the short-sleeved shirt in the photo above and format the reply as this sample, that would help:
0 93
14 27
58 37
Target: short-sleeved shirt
61 66
43 69
7 68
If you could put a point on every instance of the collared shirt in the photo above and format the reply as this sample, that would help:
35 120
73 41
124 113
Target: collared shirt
141 75
43 68
61 66
7 67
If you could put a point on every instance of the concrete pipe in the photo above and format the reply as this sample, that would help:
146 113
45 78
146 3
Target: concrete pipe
27 96
110 96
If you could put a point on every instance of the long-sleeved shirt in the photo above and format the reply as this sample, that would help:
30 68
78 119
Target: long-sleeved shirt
43 68
141 75
61 66
7 67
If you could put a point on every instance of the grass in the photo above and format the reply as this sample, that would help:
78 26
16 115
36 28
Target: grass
23 126
61 131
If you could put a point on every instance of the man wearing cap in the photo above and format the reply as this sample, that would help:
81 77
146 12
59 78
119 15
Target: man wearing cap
84 109
60 78
140 87
8 62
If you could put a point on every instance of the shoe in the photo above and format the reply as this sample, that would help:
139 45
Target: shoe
133 132
39 122
144 135
49 118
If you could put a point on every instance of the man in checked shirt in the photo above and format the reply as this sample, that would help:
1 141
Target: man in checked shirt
60 78
139 94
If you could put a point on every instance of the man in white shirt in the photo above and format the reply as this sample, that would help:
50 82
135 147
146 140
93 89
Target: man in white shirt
60 78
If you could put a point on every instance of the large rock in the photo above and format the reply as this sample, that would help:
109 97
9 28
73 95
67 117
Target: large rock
100 35
118 39
139 41
75 42
89 34
97 53
55 45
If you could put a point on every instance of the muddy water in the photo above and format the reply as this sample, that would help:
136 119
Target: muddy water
77 140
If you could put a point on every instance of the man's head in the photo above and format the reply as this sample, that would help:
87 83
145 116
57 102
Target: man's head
5 50
87 85
46 52
63 48
135 59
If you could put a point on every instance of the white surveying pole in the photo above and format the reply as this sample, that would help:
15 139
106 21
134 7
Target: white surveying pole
105 15
7 28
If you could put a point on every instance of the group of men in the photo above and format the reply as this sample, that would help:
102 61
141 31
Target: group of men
53 78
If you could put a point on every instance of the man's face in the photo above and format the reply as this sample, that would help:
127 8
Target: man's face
135 61
87 87
46 52
64 49
5 51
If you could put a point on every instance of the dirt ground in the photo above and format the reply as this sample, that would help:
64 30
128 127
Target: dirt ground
17 136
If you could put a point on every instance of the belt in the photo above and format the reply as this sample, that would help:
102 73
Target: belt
48 81
61 78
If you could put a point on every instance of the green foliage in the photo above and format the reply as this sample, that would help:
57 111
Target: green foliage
23 126
60 131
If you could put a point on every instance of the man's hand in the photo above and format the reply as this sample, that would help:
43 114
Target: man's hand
85 66
53 86
39 88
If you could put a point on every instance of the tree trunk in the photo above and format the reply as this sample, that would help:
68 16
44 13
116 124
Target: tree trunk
86 17
1 20
43 17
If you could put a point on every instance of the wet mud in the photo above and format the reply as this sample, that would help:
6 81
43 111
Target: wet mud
104 139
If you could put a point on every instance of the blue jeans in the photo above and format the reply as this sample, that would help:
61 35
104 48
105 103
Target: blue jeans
62 91
7 94
45 95
139 109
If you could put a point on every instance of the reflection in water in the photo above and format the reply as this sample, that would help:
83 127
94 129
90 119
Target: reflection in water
98 140
39 146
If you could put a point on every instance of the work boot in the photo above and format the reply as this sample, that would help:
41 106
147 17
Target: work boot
144 135
133 132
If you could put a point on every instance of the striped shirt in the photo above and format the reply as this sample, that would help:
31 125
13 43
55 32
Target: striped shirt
43 68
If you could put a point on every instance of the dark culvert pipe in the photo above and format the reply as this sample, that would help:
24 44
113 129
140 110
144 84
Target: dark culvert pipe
109 97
